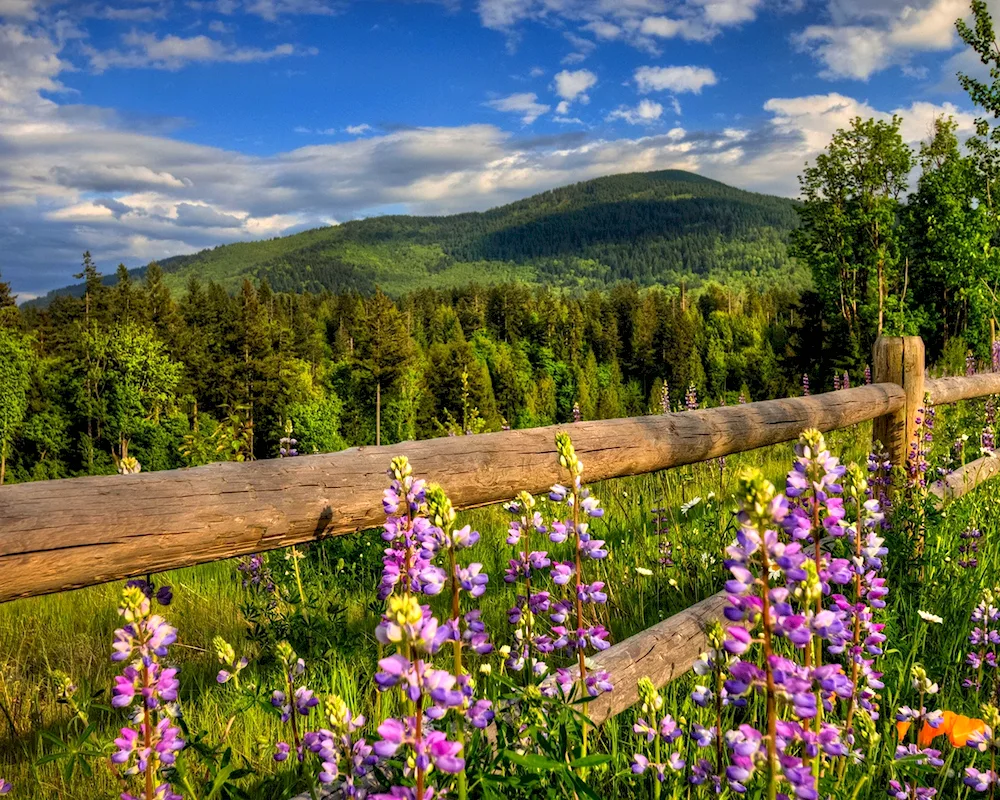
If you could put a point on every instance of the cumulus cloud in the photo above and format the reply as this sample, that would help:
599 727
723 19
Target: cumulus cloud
862 40
358 130
573 85
674 79
645 113
524 104
670 28
175 52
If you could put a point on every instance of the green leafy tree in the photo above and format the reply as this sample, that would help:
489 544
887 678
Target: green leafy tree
949 234
136 382
316 425
15 371
984 147
850 236
9 315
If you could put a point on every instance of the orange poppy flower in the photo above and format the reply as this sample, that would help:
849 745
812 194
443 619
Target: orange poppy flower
957 727
963 728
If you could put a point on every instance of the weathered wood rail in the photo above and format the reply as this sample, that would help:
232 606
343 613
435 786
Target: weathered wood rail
67 534
58 535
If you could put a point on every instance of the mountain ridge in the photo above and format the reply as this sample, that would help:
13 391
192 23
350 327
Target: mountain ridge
648 227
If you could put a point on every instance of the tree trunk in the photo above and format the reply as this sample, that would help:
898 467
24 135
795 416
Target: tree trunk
378 413
3 463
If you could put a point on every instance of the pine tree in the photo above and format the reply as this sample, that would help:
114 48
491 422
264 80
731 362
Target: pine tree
382 348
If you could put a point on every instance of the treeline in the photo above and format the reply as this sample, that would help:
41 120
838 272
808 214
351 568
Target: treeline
129 372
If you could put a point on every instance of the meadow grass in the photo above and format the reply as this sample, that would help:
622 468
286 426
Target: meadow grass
72 631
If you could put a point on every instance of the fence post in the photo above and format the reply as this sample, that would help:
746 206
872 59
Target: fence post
899 360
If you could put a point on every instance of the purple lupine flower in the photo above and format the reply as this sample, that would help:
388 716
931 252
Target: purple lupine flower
868 374
691 398
836 382
805 384
5 787
665 398
577 414
256 574
150 687
846 382
970 364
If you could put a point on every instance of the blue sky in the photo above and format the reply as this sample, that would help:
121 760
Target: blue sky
139 129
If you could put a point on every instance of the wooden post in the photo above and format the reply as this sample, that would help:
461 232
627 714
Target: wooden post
899 360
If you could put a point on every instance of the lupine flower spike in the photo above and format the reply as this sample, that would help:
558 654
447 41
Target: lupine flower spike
149 689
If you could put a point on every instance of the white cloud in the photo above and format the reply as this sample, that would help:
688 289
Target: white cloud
358 130
729 12
670 28
175 52
603 29
817 117
272 9
864 40
645 113
640 23
674 79
523 103
18 9
573 85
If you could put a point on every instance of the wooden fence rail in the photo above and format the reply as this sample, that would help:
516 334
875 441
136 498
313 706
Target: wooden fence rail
65 534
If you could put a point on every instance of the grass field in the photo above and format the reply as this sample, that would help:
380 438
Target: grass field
333 629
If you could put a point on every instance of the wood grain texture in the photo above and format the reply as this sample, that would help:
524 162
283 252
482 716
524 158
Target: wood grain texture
965 479
899 360
966 387
662 653
58 535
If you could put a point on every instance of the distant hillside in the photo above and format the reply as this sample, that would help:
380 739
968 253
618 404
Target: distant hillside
654 227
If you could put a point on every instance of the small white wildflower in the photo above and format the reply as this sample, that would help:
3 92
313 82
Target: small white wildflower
644 571
690 504
486 669
926 616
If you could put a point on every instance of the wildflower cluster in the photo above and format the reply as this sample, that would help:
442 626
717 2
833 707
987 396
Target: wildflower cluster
657 737
691 398
968 550
984 639
288 446
917 462
783 587
148 689
163 595
419 526
586 634
987 439
917 753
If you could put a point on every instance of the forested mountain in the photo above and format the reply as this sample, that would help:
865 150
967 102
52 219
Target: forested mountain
654 227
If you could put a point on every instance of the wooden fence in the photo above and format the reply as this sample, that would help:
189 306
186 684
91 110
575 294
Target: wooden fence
67 534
